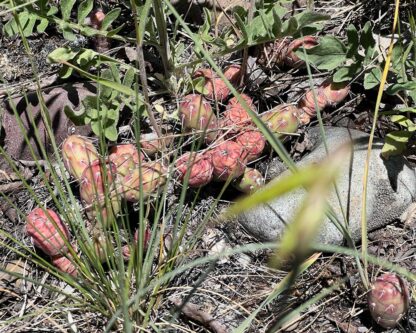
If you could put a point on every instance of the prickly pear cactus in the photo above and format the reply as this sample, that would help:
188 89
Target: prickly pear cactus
250 181
96 187
253 143
78 152
388 300
282 119
229 160
48 233
200 168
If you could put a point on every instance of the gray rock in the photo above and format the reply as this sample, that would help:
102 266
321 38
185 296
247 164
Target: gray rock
391 189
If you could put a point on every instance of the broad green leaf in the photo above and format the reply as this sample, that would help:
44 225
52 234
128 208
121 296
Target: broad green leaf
308 17
289 27
353 41
65 72
68 34
61 54
397 87
328 55
372 79
43 24
84 9
90 102
28 30
110 17
395 143
346 73
66 8
86 57
403 121
277 23
368 43
111 133
129 77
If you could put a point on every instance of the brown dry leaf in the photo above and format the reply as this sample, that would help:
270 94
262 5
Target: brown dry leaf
12 282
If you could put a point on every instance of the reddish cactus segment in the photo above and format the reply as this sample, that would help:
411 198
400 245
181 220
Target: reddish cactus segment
229 160
151 144
95 180
151 177
235 120
126 250
215 87
335 92
282 120
125 157
201 168
250 181
196 113
233 73
327 94
78 152
253 143
282 52
48 234
388 300
64 264
291 59
234 101
123 149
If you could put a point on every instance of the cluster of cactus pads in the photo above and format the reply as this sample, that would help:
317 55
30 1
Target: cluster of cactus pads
232 139
103 182
232 136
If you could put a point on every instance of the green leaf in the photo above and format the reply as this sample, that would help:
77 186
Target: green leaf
395 143
77 117
129 77
308 17
346 73
115 31
397 87
66 8
289 27
328 55
61 54
84 9
368 43
68 34
28 31
43 24
111 133
404 121
86 57
373 78
353 41
65 72
110 17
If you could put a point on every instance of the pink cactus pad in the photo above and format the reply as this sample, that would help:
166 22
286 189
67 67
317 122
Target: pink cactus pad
78 152
388 300
229 160
44 231
253 143
201 168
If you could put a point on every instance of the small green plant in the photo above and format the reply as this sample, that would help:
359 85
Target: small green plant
40 14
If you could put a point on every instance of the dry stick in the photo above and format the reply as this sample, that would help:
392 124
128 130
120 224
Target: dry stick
245 52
